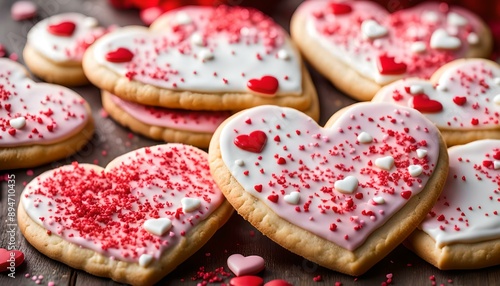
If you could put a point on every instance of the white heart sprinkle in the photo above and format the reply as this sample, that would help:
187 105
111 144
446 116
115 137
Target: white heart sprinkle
455 19
415 170
239 162
183 18
347 186
421 153
90 22
190 204
145 260
157 226
283 55
430 17
379 200
473 39
197 39
205 55
372 30
440 39
18 122
293 198
364 138
496 80
385 163
496 165
496 99
418 47
416 89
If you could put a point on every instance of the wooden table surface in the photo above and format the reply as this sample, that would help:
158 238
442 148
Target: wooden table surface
237 236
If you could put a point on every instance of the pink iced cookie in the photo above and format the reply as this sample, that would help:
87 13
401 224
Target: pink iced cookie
203 58
39 122
462 229
356 187
145 213
159 123
23 10
360 47
462 99
55 47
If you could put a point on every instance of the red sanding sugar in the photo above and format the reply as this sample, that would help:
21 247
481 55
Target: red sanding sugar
218 275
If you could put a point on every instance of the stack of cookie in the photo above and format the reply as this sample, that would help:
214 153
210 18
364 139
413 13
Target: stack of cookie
193 68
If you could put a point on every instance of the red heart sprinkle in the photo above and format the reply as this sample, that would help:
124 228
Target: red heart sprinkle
474 121
120 55
273 198
246 281
406 194
254 142
281 161
488 164
460 100
278 282
424 104
258 188
265 85
10 258
497 155
339 8
62 29
387 66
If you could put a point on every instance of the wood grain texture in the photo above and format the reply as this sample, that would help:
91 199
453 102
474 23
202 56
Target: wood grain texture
237 236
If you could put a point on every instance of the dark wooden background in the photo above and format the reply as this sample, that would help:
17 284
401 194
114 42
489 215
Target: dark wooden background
237 236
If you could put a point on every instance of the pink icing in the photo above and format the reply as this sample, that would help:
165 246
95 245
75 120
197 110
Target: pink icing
196 121
468 208
344 35
105 209
300 156
207 49
52 112
467 92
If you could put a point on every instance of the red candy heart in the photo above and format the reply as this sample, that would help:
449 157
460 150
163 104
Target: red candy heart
10 258
266 85
62 29
340 8
497 155
254 142
120 55
278 282
387 66
246 281
424 104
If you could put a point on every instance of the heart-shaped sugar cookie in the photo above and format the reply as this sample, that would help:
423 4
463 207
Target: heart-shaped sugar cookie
39 122
202 58
355 211
462 230
127 221
462 99
361 47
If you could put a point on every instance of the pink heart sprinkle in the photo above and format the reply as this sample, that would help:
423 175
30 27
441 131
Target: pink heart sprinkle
241 265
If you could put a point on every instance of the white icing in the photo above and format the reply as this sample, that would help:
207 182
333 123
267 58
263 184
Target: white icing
158 226
293 198
477 200
441 39
18 122
364 137
415 170
190 204
385 163
348 185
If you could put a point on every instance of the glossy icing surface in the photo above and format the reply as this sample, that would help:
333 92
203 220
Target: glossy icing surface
207 49
196 121
338 183
421 38
467 210
466 92
36 113
68 45
134 209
